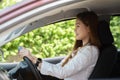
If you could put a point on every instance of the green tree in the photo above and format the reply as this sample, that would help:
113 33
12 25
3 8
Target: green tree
49 41
115 29
52 40
7 3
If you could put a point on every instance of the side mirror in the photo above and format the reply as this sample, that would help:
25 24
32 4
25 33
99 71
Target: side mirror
2 54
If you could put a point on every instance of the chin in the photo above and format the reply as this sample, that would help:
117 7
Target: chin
78 39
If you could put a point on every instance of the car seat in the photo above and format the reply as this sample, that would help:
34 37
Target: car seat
108 53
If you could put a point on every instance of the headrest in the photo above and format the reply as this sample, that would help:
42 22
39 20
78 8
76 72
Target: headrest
104 33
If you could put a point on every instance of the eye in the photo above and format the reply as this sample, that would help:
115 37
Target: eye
78 25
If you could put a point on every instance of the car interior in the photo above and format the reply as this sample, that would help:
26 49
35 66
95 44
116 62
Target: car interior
106 68
108 64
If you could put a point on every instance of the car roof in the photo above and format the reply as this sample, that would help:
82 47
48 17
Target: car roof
26 16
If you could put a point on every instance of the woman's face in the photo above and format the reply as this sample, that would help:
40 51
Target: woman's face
81 30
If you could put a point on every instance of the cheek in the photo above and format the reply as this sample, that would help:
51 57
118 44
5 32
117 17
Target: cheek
85 33
82 33
79 34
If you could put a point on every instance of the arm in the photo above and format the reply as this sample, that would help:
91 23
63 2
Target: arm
82 60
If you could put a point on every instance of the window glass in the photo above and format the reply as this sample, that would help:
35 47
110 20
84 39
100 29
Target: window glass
49 41
53 40
115 29
7 3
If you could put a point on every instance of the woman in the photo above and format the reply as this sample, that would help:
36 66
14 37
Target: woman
80 63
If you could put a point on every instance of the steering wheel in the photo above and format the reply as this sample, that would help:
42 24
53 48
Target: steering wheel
33 68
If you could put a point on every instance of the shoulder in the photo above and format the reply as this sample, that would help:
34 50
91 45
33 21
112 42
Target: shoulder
89 49
89 53
92 47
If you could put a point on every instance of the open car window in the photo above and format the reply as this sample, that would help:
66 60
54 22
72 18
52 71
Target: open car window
115 29
50 41
54 40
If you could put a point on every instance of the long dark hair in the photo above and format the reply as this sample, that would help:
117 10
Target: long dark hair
90 19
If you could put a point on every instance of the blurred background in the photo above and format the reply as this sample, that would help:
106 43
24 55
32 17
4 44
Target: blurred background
50 41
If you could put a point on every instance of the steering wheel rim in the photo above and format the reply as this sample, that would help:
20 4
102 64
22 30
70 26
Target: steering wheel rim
33 68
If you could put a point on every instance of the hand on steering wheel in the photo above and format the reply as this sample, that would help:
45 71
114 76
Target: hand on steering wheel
29 59
34 69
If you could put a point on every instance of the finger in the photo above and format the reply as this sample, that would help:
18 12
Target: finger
23 49
24 52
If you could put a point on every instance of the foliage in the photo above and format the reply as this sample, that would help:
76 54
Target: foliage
7 3
49 41
115 28
52 40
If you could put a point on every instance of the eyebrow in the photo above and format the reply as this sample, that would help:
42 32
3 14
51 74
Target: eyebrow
77 23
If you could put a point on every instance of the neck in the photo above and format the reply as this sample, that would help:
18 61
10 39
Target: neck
85 41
